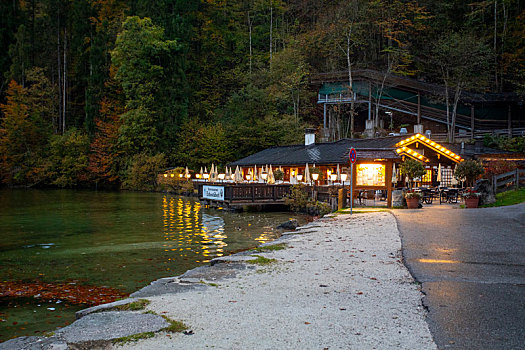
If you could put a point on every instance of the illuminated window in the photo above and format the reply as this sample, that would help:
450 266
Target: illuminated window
428 176
446 177
370 175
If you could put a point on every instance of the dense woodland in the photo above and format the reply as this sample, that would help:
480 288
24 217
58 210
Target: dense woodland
102 91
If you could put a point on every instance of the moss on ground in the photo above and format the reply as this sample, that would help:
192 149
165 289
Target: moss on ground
261 260
270 248
175 326
133 306
134 337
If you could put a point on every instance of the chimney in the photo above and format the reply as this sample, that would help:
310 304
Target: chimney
309 136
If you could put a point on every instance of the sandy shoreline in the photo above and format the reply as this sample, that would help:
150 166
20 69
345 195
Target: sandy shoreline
339 284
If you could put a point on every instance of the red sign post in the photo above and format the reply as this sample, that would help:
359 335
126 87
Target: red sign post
353 158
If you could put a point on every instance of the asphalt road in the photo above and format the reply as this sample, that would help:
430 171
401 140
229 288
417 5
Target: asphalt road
471 263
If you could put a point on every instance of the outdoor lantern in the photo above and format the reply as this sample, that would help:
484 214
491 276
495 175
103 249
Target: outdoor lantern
188 176
333 177
293 173
264 176
180 175
172 175
221 176
328 172
198 176
343 177
299 177
206 176
315 176
165 175
248 177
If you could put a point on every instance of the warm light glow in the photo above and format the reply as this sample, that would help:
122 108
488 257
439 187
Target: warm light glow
172 175
180 175
206 176
438 261
198 176
370 175
188 176
264 176
232 176
333 177
221 176
431 144
248 177
344 177
315 176
299 177
293 173
165 175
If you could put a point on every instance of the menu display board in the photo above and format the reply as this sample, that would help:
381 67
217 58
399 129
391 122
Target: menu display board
370 175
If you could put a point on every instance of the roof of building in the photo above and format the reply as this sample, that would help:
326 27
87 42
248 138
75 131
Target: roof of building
324 153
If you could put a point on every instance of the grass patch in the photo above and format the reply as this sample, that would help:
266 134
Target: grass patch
133 306
211 284
271 248
261 260
508 198
134 337
175 326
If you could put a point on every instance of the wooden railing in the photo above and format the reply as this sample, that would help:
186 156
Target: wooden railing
508 181
251 192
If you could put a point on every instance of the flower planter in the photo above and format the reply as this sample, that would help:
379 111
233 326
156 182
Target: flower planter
471 202
412 203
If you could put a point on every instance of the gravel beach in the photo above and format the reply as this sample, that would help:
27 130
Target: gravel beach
339 284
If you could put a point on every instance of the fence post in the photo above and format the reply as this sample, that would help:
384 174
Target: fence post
517 179
494 184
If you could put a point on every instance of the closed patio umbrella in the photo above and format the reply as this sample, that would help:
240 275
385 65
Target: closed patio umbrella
438 179
271 179
394 174
338 173
307 178
454 181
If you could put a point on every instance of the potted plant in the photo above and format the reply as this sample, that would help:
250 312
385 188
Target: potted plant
278 175
412 169
469 170
471 198
412 199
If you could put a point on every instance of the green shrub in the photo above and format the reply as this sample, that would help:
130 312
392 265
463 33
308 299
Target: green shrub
412 169
142 173
278 175
469 170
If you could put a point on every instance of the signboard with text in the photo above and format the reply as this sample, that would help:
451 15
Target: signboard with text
213 192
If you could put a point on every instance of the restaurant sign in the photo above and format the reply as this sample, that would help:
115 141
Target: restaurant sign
213 192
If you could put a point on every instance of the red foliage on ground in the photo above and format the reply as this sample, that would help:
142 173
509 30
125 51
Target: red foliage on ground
69 292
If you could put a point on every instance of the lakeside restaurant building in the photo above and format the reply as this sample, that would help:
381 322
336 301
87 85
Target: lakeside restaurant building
377 165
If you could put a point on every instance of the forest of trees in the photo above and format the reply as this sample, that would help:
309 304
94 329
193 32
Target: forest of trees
94 90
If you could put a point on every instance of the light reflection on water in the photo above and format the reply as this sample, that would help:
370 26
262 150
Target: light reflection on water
121 240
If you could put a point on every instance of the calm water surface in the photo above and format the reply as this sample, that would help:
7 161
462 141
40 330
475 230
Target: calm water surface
118 240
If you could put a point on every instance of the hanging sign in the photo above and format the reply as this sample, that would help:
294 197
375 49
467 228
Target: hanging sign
353 155
213 192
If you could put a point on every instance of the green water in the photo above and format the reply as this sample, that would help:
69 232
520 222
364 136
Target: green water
122 240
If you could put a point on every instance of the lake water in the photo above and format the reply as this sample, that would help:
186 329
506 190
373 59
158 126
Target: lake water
61 249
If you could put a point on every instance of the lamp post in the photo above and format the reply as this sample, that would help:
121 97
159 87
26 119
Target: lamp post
315 176
299 177
343 178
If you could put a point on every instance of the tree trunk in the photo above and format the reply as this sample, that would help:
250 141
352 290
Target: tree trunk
271 31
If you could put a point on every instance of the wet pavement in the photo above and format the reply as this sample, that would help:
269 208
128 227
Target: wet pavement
471 263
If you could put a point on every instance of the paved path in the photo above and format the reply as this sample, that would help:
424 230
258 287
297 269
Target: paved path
471 263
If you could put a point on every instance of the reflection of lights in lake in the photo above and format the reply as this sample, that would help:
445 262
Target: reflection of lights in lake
267 235
187 230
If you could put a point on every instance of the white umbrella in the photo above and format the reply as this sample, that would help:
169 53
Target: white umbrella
338 173
201 173
306 174
238 176
394 174
271 179
439 174
260 174
186 172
